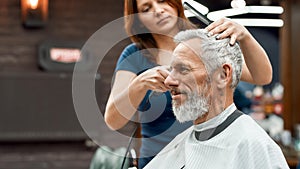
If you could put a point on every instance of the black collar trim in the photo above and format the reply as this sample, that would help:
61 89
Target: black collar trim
210 133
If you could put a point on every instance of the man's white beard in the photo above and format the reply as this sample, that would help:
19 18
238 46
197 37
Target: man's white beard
194 107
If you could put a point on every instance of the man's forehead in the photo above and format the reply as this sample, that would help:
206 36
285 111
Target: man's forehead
185 56
194 45
183 53
185 50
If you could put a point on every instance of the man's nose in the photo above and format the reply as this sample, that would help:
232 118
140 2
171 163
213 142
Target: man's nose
170 81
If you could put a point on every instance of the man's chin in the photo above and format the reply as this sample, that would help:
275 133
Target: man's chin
191 117
189 107
185 113
182 119
180 113
178 102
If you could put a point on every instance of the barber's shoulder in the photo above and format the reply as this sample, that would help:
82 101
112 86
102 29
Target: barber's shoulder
128 52
131 47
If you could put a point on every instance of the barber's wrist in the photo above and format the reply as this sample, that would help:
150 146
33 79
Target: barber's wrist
137 87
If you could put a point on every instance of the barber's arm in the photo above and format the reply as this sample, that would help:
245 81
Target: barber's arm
258 69
127 93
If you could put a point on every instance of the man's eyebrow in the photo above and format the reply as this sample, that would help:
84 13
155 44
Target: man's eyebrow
180 65
186 65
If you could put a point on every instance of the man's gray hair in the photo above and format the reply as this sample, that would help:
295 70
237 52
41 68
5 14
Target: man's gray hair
214 53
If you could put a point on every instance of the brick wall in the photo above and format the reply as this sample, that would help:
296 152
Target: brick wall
69 20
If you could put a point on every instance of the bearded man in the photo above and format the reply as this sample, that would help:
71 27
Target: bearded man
204 74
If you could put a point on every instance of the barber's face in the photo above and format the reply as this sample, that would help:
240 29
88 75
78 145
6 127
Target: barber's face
158 16
188 83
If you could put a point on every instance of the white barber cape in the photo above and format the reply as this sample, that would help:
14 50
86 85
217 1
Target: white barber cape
242 145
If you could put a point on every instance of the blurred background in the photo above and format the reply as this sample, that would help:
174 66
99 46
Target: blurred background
39 46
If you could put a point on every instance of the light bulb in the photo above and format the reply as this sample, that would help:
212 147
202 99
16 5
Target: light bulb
238 3
33 4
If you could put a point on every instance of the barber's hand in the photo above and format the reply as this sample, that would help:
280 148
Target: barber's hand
154 78
227 28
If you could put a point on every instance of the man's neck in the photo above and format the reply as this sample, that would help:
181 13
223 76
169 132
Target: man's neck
213 112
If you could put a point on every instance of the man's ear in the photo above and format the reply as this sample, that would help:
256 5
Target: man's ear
224 76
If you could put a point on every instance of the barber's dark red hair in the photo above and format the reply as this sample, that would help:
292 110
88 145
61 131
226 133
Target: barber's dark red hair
133 24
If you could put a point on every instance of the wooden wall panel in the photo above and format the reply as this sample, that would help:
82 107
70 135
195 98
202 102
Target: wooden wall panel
295 31
290 62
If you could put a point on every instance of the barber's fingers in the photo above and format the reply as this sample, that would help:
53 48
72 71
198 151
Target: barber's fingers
164 71
233 39
226 28
220 26
231 33
213 27
157 84
154 78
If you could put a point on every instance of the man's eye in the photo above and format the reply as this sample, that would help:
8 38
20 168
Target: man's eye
184 70
181 68
161 0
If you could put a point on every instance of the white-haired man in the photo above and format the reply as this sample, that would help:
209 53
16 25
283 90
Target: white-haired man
204 73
